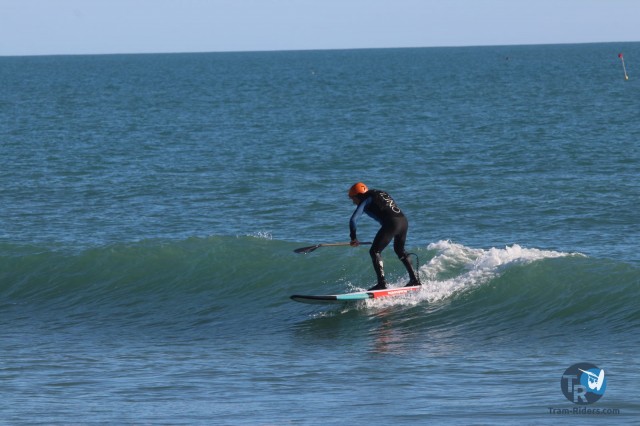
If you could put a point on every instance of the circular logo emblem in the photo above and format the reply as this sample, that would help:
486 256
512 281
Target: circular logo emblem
583 383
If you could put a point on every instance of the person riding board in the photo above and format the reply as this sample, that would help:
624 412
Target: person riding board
394 225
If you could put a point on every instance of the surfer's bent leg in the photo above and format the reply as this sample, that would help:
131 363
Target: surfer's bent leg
398 247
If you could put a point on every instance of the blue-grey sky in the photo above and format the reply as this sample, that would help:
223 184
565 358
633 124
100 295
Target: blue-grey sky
42 27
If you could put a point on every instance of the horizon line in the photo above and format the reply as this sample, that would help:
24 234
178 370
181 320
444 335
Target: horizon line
160 52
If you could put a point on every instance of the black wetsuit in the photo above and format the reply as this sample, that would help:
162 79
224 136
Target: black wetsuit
381 207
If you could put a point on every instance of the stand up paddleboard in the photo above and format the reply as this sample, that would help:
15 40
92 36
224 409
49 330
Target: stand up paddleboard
354 297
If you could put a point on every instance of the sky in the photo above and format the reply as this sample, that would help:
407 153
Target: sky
52 27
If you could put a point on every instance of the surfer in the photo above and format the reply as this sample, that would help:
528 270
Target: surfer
382 208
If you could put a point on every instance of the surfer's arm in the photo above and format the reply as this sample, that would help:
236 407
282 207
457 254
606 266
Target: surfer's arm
354 220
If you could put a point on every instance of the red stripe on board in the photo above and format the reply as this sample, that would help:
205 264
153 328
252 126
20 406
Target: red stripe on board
392 291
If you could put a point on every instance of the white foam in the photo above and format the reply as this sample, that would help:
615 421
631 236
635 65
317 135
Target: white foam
263 235
456 268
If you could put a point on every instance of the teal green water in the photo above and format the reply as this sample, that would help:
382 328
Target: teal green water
150 205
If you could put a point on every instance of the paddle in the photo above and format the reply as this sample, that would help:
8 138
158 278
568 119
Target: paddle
309 249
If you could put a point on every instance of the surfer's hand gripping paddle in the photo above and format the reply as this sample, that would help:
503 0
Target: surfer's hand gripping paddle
309 249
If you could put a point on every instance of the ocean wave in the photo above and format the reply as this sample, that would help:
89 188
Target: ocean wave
203 280
521 287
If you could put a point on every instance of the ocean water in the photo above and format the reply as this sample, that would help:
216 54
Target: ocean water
150 206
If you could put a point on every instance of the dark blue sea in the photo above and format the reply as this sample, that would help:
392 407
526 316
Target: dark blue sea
150 206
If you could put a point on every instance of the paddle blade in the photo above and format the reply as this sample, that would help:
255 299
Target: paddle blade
305 250
312 248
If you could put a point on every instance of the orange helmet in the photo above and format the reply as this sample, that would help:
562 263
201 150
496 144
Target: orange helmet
358 188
